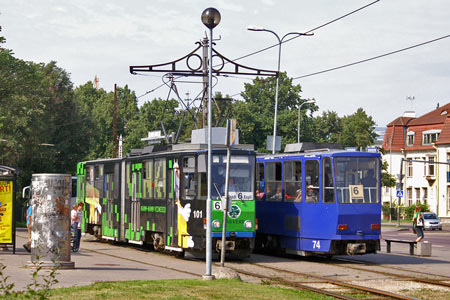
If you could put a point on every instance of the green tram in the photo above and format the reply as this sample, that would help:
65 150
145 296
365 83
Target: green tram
157 196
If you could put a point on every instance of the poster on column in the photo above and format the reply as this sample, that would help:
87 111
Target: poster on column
6 212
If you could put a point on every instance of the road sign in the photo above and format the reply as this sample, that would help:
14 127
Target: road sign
399 194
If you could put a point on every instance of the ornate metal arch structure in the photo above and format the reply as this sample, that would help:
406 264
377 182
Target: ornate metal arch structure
192 64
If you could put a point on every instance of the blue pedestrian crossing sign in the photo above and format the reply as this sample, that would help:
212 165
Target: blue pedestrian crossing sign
399 194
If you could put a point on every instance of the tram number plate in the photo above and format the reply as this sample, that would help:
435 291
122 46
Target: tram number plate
316 244
218 205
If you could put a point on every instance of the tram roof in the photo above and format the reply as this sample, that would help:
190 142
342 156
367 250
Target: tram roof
318 152
170 149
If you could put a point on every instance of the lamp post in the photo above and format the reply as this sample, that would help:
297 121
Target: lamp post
280 41
210 18
298 125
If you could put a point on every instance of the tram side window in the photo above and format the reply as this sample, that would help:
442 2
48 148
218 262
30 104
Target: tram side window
293 181
147 174
189 183
202 177
260 181
327 181
273 181
160 178
312 181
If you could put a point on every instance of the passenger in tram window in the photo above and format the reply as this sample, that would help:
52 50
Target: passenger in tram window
311 194
299 195
291 193
277 196
260 191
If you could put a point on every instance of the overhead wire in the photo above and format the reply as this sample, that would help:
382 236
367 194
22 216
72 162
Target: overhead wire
309 31
372 58
275 45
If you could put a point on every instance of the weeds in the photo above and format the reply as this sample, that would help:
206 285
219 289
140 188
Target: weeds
38 289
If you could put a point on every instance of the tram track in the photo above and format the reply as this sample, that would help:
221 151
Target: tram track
437 282
302 281
351 288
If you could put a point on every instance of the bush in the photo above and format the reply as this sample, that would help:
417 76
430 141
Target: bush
409 211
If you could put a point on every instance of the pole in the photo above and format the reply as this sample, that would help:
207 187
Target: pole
227 200
276 96
208 200
401 189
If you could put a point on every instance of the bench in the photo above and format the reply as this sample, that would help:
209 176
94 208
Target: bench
411 245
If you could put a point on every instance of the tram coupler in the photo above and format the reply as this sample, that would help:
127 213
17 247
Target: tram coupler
356 248
229 245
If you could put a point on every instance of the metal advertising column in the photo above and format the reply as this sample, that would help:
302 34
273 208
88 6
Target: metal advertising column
7 209
50 236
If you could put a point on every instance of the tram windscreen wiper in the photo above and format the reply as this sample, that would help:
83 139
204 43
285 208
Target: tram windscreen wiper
217 190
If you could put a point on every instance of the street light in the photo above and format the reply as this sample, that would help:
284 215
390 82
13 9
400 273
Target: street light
280 41
298 125
210 18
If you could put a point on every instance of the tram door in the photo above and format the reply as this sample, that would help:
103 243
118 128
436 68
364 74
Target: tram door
136 196
173 175
310 213
108 207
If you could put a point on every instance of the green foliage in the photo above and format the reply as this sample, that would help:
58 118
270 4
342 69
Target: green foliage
328 127
386 178
255 115
38 289
357 130
5 287
409 210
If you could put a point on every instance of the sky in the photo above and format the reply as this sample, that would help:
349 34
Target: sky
104 38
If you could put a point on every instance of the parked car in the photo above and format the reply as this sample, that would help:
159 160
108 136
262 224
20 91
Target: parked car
431 221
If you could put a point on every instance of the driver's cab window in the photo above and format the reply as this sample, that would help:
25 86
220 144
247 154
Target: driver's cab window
189 180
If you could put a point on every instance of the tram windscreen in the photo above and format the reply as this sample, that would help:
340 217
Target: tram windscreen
241 180
357 179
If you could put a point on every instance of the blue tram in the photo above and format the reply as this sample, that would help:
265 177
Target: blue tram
319 203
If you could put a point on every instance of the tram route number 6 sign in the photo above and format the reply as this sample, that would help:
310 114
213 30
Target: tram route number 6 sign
356 193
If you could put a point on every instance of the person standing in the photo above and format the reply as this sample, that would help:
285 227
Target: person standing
27 246
77 228
74 222
418 223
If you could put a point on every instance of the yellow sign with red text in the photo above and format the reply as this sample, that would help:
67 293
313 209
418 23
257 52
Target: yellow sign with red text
6 212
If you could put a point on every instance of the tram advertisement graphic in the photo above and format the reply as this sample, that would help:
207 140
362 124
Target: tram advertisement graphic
6 196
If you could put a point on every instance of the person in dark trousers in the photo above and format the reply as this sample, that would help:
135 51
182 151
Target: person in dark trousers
27 246
76 225
418 223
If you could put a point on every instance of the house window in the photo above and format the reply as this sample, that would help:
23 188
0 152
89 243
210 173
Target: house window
409 170
431 166
409 195
425 195
430 136
417 195
410 138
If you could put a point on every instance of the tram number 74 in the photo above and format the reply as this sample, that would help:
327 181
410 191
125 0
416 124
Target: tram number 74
316 244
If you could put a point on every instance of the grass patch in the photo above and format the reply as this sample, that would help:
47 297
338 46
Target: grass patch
178 289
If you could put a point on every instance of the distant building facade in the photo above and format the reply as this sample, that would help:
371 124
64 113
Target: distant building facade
424 139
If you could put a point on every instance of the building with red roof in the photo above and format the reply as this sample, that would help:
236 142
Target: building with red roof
424 145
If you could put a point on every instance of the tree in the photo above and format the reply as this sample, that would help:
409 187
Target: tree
357 130
255 114
327 127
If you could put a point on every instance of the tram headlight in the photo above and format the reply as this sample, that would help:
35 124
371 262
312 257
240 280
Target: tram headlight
248 224
216 224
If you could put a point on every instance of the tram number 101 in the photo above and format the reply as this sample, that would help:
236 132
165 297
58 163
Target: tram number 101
316 244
